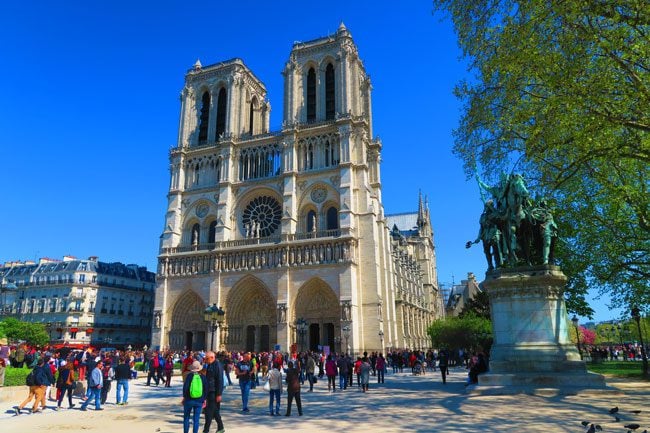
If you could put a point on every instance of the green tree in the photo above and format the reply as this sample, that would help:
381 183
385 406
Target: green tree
478 305
561 92
468 332
16 330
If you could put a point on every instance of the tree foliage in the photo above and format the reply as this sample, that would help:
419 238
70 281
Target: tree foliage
16 330
561 93
478 305
468 332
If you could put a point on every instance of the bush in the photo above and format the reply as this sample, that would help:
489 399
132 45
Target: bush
469 332
16 376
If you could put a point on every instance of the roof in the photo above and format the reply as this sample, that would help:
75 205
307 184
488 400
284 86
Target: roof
407 223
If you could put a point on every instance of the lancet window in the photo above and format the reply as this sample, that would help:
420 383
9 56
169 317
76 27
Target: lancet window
321 151
311 95
202 172
260 162
329 92
332 217
221 112
205 118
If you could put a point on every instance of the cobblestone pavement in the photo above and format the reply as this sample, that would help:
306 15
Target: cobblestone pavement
405 403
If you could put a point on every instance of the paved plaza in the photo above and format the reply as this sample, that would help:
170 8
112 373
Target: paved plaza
405 403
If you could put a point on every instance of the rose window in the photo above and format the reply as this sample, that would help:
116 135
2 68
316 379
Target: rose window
263 212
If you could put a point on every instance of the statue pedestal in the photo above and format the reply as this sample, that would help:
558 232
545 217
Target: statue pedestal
532 349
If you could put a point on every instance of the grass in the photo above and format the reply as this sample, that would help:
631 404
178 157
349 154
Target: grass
626 369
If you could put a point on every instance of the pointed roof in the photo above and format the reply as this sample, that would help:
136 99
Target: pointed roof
198 64
421 221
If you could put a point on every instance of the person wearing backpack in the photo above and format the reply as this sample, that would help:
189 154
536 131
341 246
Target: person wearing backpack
195 391
214 377
65 383
37 380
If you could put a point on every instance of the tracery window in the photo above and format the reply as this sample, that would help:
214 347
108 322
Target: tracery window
321 151
261 217
332 218
260 162
205 118
329 93
221 112
311 95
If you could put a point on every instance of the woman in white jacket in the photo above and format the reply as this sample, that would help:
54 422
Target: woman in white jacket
275 383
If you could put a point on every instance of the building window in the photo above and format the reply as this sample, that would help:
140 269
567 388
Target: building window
82 278
311 221
205 118
251 116
332 218
329 92
212 232
221 112
311 95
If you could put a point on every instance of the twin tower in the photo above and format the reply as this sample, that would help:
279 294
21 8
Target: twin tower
285 230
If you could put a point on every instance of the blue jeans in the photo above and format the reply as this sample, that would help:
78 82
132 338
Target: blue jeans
343 381
95 393
188 406
122 385
274 393
245 388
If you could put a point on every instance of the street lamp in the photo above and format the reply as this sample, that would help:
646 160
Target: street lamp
346 335
381 340
636 315
301 327
574 319
214 316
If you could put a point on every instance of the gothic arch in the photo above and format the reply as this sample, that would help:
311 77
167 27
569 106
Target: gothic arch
250 312
318 304
187 329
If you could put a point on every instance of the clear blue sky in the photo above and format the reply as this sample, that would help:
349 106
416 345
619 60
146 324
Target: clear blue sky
90 107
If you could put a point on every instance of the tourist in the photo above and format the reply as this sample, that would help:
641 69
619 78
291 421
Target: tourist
193 400
343 367
154 367
214 378
443 363
331 370
186 364
122 376
293 388
168 369
311 369
381 368
244 372
65 383
364 373
95 383
108 374
275 383
3 367
42 377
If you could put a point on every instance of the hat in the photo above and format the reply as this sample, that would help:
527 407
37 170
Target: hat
63 363
98 359
196 366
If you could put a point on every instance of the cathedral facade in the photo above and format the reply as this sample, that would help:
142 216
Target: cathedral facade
285 230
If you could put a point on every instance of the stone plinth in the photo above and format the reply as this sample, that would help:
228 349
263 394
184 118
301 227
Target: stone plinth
531 346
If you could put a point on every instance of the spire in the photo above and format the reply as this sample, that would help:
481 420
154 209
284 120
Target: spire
197 65
420 220
342 30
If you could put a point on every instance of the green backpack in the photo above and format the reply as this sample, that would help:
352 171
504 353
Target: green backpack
196 386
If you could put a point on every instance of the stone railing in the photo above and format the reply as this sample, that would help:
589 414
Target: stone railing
323 251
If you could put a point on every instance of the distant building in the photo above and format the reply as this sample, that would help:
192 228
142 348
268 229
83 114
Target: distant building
82 301
460 294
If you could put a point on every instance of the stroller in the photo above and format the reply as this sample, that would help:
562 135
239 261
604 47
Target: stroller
417 368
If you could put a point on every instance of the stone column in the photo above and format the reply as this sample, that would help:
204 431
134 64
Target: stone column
531 347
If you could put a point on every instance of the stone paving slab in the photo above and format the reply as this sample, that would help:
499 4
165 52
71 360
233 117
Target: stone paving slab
405 403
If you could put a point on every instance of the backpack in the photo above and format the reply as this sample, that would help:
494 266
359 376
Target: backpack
196 386
30 380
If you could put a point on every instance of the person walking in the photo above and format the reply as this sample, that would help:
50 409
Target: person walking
244 372
95 383
108 374
214 377
364 373
342 365
293 388
331 370
381 368
122 376
275 383
311 369
195 391
41 377
169 369
443 363
65 383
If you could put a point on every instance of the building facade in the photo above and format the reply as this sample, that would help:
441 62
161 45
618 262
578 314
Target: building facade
83 301
288 226
460 294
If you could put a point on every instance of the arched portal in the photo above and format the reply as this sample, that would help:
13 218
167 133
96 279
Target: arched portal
187 327
318 305
250 317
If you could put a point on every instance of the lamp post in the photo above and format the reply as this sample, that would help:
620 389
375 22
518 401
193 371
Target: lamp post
214 316
574 319
381 340
346 335
636 315
301 327
48 328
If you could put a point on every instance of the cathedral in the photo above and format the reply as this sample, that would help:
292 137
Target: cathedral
285 230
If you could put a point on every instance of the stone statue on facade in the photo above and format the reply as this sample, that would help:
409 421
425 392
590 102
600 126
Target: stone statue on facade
515 230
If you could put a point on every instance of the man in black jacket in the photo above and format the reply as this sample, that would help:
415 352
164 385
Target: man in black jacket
122 376
214 376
